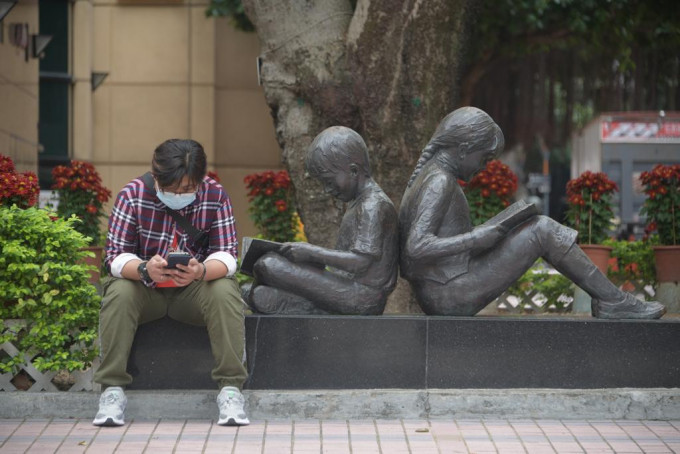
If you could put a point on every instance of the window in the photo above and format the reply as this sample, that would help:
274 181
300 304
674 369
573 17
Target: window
55 89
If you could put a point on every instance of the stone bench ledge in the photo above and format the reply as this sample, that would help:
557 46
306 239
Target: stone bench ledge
419 352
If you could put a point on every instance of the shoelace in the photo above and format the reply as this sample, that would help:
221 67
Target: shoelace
110 399
231 399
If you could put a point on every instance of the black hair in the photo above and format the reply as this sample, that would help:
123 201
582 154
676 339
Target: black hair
337 147
463 129
176 158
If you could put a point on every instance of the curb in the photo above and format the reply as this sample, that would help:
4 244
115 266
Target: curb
620 403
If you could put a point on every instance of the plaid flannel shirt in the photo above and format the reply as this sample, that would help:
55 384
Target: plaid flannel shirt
140 225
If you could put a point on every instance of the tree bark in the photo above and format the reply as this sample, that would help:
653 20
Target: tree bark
305 84
387 69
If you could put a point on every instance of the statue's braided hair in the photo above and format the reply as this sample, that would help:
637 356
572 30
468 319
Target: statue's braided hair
425 156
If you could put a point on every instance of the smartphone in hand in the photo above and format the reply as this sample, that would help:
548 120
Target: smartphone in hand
175 258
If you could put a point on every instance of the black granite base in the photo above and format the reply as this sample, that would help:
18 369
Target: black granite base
419 352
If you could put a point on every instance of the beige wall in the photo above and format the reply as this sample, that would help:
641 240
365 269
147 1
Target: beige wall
175 73
19 93
160 83
172 72
245 140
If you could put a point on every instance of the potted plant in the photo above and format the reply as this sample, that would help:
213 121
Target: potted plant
490 191
20 189
662 210
589 211
271 205
81 194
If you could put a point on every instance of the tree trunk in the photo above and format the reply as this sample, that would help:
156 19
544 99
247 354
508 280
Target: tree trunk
388 69
307 88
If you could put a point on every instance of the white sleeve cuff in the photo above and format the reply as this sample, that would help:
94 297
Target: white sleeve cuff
226 258
119 263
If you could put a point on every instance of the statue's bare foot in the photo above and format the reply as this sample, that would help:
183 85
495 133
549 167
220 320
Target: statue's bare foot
629 308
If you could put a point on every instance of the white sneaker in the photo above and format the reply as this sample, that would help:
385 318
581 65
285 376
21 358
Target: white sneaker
111 407
230 402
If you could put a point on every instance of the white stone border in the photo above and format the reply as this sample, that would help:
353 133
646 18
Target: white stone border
617 403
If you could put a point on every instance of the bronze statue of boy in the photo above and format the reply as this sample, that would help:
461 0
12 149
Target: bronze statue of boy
456 269
357 276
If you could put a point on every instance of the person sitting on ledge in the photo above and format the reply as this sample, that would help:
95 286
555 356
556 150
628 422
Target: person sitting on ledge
142 287
455 269
357 276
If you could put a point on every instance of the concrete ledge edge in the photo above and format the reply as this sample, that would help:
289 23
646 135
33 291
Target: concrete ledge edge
526 403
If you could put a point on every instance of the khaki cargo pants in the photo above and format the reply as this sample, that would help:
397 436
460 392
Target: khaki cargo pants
216 304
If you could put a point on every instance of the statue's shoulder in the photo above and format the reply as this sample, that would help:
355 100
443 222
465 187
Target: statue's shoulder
382 198
437 180
377 202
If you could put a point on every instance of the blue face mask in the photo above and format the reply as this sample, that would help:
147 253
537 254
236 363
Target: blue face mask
176 201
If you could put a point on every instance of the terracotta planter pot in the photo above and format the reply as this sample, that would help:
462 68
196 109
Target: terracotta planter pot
598 254
667 263
96 261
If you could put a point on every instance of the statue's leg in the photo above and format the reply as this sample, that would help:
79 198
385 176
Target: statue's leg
489 275
270 300
326 290
608 300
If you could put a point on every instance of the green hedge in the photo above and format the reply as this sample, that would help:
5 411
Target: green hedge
44 282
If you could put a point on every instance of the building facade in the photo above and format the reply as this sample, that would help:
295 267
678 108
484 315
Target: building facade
119 77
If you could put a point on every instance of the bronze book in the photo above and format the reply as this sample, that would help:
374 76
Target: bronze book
514 215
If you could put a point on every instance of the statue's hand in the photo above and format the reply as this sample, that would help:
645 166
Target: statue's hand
298 252
486 236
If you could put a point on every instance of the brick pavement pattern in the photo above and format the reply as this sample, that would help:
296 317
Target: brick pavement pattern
338 436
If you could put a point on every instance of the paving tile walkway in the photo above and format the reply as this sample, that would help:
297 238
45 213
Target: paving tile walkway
338 436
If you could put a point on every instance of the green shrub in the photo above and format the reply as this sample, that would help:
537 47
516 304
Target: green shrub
632 261
557 289
43 283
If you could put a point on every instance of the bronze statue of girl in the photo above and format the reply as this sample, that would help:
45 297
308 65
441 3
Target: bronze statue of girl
456 269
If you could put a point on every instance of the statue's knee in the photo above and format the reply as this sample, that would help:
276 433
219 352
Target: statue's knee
267 265
544 227
544 223
555 238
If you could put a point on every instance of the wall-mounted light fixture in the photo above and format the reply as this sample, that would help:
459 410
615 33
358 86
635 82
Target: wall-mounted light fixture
39 43
97 79
5 7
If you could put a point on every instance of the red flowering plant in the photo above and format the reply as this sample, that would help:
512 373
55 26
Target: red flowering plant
662 206
589 211
490 191
17 188
270 195
82 194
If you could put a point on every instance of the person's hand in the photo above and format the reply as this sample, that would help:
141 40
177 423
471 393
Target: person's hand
185 275
486 236
298 252
156 269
